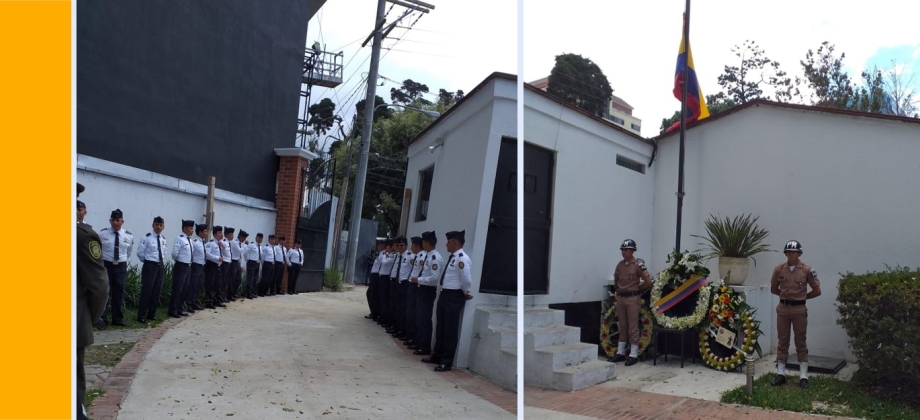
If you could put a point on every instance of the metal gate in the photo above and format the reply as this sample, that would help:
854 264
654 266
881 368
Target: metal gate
313 225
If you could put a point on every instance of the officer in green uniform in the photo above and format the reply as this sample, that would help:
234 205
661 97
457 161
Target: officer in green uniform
92 293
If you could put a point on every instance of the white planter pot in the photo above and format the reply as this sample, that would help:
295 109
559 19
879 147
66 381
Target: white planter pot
738 268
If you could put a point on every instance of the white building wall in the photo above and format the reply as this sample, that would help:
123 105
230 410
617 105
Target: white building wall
596 203
142 195
464 176
846 187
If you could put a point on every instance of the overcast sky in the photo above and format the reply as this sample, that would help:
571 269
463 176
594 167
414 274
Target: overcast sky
635 43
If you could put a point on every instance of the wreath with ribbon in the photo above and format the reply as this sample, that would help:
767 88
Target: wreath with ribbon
686 297
730 312
609 341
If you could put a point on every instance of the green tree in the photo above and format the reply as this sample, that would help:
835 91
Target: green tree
410 92
579 81
871 97
358 118
829 84
745 82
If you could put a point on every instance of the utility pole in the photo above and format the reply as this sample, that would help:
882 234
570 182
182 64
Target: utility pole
369 105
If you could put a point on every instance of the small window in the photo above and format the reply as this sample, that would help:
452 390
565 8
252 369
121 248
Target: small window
630 164
635 127
617 120
424 182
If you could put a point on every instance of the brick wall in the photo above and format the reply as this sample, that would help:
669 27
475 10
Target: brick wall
290 186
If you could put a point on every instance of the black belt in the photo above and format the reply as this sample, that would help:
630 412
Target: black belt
152 262
425 285
113 262
629 294
791 302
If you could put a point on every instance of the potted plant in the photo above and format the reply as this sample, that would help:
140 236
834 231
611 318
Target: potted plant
734 241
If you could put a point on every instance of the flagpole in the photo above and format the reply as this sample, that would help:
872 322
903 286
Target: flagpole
683 123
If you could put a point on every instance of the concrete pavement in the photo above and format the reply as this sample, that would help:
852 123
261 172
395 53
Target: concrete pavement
300 357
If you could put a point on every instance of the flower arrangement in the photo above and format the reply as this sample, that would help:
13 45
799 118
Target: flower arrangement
609 341
681 267
730 311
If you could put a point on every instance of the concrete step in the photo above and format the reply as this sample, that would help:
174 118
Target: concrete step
508 336
542 318
565 355
587 374
538 338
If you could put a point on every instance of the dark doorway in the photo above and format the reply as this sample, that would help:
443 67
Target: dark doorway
313 232
499 268
538 206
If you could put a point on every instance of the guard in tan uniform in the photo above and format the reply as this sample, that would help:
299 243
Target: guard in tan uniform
790 282
631 279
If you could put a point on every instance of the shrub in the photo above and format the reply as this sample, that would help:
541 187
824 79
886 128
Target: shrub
133 286
332 280
880 311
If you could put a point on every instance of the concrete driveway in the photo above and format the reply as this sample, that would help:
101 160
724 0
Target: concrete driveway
308 356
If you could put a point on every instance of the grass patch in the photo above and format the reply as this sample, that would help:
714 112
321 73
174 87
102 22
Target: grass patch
91 395
106 354
826 395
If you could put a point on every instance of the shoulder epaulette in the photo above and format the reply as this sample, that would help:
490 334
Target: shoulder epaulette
461 254
128 232
104 229
148 234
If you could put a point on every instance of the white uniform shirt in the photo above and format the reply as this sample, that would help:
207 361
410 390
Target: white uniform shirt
406 266
295 256
148 251
387 260
251 252
125 245
235 250
182 249
225 251
417 263
279 253
197 251
397 262
212 252
458 273
431 269
268 253
375 269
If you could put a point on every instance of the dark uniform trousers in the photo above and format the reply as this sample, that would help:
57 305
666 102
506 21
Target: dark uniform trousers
190 295
402 289
116 303
373 279
211 282
411 306
181 273
268 277
151 287
450 309
293 273
252 276
226 275
393 301
425 309
383 298
278 277
236 279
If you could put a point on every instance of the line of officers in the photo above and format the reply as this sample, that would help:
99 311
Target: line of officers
219 261
405 285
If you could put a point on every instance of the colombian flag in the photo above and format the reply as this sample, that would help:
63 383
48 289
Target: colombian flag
696 103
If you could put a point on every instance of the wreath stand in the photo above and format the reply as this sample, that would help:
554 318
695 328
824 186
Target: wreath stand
658 331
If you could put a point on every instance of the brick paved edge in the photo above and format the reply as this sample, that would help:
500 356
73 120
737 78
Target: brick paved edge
119 380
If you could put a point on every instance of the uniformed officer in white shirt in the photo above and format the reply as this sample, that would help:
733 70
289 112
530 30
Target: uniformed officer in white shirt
214 257
182 268
455 291
152 251
190 296
252 253
387 262
236 270
117 246
411 305
395 272
427 282
226 269
278 274
402 289
374 280
295 261
268 266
